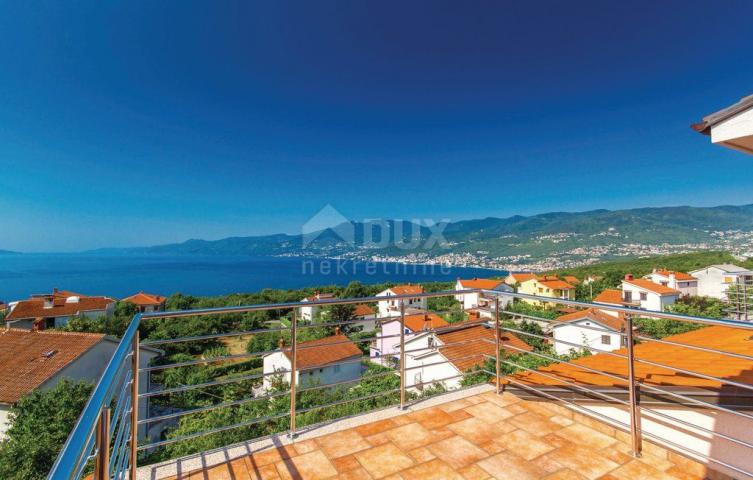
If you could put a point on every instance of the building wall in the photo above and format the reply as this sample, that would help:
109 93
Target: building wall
4 420
686 287
391 308
573 333
309 313
653 301
388 342
713 282
415 376
533 287
322 376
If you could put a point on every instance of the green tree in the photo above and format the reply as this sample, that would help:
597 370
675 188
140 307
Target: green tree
40 424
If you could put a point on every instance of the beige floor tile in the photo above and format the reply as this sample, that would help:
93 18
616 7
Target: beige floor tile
375 427
421 455
586 461
586 436
563 474
434 470
474 472
342 443
384 460
410 436
457 452
636 469
508 466
475 430
535 424
359 473
489 412
310 466
524 444
346 463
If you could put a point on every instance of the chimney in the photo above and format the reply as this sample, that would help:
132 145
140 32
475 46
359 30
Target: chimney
337 330
654 270
427 322
55 290
629 277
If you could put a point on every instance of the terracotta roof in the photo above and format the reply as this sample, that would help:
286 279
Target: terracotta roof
611 296
522 277
483 283
480 342
319 296
142 298
652 287
678 275
407 289
35 308
420 321
570 279
595 315
734 340
324 351
556 284
363 309
30 358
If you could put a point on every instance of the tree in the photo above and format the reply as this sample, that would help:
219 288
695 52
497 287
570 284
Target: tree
40 424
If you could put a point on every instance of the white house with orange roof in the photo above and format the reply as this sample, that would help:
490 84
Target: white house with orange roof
686 284
519 277
56 309
592 328
309 313
391 308
647 294
613 297
147 302
476 302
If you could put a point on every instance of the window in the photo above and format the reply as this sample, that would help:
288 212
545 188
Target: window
541 290
337 368
644 296
606 340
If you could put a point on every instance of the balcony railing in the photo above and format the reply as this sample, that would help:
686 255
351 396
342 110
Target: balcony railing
105 439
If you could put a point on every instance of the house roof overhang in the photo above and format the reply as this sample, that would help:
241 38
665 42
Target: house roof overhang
731 126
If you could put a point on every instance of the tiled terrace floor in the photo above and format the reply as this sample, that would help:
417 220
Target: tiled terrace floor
479 437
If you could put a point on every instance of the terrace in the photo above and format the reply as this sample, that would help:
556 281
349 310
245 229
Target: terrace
658 408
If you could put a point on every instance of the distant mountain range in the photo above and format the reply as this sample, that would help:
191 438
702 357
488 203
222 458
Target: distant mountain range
533 236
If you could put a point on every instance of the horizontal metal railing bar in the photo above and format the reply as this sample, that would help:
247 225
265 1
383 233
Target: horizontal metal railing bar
343 382
695 401
224 381
291 305
211 336
694 426
630 311
211 431
347 400
554 321
565 342
572 384
436 380
207 408
72 451
443 362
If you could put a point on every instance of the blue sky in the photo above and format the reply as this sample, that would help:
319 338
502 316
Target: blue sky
138 123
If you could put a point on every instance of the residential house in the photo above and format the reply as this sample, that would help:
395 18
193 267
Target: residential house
54 310
715 280
731 127
587 328
33 360
735 422
686 284
612 296
647 295
445 355
391 308
324 361
147 302
591 279
571 279
518 278
476 303
550 286
309 313
386 346
366 316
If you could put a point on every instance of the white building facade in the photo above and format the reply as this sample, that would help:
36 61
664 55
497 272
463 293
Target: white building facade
391 308
715 280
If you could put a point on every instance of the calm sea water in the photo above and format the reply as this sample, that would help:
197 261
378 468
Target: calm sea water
120 276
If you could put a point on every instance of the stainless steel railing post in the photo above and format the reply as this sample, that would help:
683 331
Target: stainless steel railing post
293 370
634 390
134 405
496 342
102 462
402 355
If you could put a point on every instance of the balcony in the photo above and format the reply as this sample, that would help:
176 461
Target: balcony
644 411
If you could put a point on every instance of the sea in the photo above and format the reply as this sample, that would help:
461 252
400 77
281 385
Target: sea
119 276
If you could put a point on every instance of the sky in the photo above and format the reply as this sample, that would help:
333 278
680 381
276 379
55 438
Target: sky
140 123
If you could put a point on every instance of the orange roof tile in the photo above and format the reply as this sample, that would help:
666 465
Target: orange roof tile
142 298
611 296
678 275
407 289
652 287
728 339
424 321
477 342
35 308
319 296
363 309
595 315
571 280
483 283
324 351
556 284
522 277
30 358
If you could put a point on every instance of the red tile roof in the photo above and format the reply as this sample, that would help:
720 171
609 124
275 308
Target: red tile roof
652 287
145 299
423 321
324 351
30 358
727 339
483 283
571 280
522 277
363 309
556 284
475 341
595 315
407 289
678 275
320 296
61 307
611 296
